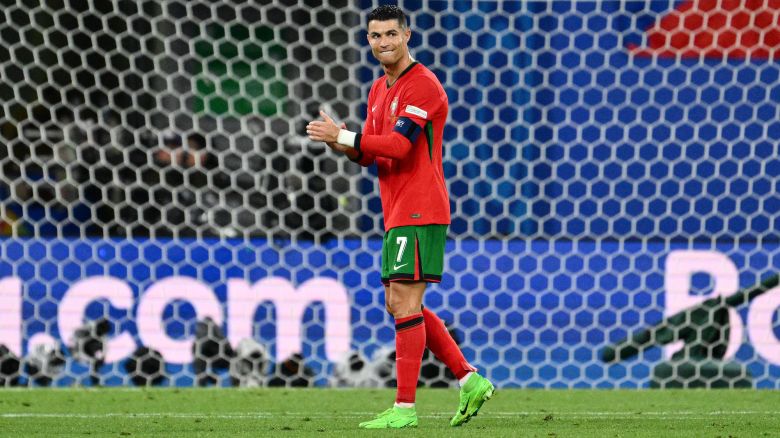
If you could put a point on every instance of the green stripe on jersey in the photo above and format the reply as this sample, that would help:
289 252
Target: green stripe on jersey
429 137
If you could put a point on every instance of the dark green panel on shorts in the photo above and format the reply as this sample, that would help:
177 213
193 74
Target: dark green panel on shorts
401 246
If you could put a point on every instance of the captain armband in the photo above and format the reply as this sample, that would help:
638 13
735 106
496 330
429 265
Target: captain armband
406 127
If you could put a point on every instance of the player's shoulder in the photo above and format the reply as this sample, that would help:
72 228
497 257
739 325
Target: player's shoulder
422 78
422 73
377 82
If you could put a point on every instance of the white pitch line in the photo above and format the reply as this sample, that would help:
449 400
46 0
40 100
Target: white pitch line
262 415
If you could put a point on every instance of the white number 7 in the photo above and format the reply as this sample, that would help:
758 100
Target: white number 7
401 240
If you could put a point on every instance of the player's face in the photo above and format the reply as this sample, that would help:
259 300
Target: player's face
388 41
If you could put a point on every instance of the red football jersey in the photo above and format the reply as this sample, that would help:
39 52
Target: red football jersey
412 186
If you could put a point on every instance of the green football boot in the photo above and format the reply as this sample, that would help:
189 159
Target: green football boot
473 395
393 418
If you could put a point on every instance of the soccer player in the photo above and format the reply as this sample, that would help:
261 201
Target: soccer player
407 109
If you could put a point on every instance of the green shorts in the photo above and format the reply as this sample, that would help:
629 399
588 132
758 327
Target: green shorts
414 253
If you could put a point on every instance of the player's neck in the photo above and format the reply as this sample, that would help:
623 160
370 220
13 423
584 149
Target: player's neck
393 71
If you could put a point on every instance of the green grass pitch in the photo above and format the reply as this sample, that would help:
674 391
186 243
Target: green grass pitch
336 412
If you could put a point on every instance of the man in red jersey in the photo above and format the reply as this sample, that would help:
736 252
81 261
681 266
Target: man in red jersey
407 109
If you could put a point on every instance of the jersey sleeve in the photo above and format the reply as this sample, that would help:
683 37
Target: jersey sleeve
420 100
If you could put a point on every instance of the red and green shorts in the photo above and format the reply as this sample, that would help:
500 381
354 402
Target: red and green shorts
414 253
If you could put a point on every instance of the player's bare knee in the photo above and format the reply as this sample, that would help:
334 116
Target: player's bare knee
401 307
405 298
394 307
403 313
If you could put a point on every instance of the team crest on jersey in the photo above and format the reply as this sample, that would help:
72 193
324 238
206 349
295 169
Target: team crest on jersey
393 109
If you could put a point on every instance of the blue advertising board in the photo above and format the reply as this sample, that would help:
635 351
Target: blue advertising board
530 314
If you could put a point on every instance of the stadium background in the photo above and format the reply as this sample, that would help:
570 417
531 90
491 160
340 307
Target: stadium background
587 143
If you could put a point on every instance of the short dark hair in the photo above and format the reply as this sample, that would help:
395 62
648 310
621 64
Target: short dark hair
388 12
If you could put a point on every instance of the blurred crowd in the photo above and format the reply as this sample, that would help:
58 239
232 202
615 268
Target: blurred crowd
247 363
106 180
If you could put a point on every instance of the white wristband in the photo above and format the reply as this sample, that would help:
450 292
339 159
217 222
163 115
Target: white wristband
346 138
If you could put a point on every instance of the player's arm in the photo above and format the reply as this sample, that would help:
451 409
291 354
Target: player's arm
353 154
420 100
363 158
327 131
395 145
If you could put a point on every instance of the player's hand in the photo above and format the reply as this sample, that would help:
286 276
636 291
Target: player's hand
336 146
325 130
351 153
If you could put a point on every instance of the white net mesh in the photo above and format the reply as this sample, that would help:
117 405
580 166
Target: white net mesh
611 165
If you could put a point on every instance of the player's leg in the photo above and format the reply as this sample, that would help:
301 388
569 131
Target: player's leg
431 242
403 298
441 343
437 337
403 301
403 295
425 264
475 389
444 347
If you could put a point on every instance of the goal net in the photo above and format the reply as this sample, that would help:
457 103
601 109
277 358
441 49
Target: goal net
613 170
